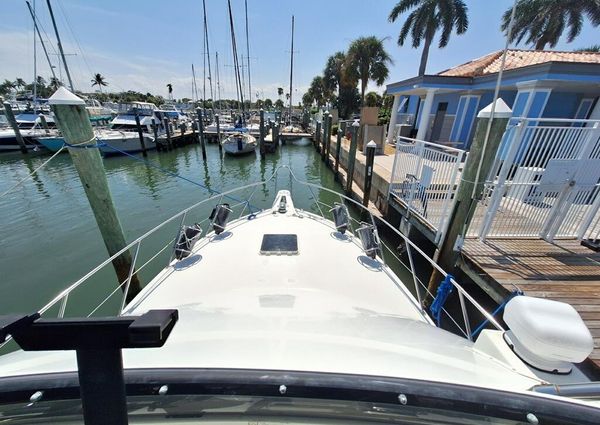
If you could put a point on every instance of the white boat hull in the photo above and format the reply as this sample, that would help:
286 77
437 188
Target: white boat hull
239 144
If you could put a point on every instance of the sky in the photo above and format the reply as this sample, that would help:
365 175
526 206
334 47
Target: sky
144 44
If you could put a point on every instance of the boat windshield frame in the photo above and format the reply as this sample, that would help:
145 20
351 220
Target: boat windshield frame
384 394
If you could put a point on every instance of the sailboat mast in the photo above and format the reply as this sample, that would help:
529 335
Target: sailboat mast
248 54
218 80
207 55
291 70
236 63
34 59
204 57
33 16
62 53
194 85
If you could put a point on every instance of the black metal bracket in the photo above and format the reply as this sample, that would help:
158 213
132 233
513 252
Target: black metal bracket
98 343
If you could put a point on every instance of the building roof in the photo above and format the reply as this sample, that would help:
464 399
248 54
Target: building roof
515 58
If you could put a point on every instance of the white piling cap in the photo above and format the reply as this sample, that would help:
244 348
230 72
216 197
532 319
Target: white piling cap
62 96
502 110
355 123
372 144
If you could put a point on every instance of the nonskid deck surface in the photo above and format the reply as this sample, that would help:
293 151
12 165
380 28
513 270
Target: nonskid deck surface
327 309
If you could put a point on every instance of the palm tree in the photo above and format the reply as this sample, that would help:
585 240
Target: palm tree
426 19
543 21
54 83
98 80
333 74
317 90
280 91
170 89
367 60
19 82
594 49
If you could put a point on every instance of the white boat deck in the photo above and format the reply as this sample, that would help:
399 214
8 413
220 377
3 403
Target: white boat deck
329 308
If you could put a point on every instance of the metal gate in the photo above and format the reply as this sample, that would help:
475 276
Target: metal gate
545 181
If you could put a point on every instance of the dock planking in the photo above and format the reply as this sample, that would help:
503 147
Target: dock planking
562 271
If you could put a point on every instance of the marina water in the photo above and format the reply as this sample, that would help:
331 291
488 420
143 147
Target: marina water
50 238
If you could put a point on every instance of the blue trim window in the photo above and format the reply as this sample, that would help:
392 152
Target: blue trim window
465 116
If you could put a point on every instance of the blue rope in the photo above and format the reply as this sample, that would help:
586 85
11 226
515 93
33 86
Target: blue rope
498 310
100 144
443 291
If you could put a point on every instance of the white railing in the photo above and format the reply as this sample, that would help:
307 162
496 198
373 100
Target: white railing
425 178
545 182
161 253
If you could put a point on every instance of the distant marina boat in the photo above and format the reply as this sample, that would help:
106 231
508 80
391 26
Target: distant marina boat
111 142
239 143
30 127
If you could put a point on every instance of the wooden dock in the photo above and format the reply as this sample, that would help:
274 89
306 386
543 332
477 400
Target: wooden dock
562 271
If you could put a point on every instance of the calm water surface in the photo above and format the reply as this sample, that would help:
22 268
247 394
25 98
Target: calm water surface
50 238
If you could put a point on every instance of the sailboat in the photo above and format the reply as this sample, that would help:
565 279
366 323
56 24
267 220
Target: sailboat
290 127
240 141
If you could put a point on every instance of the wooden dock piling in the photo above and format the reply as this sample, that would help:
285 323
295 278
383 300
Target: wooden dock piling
324 138
317 138
44 124
261 135
140 134
201 132
338 149
328 138
10 116
73 121
219 133
352 157
159 146
477 167
168 131
371 148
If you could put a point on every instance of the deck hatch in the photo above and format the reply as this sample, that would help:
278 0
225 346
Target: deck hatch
282 244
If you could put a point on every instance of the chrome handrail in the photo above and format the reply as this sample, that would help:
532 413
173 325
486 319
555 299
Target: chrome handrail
63 296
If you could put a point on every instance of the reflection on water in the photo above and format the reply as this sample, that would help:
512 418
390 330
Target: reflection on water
50 238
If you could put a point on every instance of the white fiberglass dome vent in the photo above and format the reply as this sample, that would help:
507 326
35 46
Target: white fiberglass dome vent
548 335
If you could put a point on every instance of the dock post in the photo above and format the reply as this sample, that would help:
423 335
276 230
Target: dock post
275 135
219 133
201 132
44 124
328 138
140 134
73 121
168 130
371 148
10 116
317 139
155 131
477 167
352 157
261 135
338 150
324 141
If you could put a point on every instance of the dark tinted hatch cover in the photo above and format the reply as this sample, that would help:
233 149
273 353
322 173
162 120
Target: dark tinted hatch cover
279 245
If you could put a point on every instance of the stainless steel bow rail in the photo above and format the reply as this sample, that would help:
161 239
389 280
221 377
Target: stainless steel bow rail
98 343
239 210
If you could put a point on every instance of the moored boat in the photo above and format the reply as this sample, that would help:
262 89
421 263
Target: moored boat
239 143
310 326
111 142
